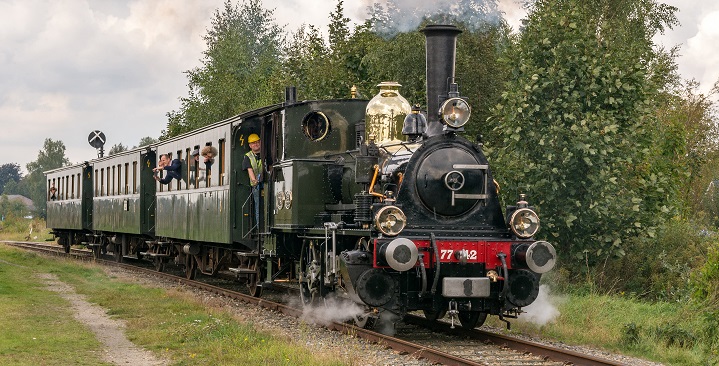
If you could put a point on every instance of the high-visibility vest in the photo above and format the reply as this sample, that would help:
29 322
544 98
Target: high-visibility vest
256 165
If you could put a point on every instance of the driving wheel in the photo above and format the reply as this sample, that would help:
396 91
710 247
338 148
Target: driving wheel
310 273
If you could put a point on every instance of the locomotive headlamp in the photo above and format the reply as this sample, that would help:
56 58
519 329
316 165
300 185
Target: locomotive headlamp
524 223
390 220
455 112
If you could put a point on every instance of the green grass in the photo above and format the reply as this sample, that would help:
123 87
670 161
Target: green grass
37 325
661 332
169 323
19 229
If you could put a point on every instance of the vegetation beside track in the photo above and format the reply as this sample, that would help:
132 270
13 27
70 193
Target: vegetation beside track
38 327
670 333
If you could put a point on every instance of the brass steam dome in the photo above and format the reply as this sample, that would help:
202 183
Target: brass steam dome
385 115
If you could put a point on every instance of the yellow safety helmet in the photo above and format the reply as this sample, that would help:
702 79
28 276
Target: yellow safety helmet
252 138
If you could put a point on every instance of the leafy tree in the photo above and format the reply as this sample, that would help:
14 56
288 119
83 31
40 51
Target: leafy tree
146 141
323 70
52 156
241 68
11 209
19 187
578 122
9 172
116 149
690 129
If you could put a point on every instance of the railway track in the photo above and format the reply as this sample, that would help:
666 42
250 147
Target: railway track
416 337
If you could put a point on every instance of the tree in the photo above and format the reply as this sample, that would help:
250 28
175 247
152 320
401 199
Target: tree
12 209
146 141
116 149
9 172
241 68
578 123
52 156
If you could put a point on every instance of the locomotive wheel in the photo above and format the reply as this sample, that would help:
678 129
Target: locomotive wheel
434 315
255 279
190 268
310 274
471 319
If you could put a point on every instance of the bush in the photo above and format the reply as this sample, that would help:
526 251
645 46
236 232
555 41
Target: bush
705 286
657 268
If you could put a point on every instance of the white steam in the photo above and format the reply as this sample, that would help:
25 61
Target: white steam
543 310
406 15
328 310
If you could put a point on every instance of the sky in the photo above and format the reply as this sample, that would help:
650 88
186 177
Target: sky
69 67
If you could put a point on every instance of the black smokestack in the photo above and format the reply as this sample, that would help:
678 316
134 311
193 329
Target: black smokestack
441 52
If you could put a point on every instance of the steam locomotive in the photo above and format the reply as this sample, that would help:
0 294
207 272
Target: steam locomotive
370 201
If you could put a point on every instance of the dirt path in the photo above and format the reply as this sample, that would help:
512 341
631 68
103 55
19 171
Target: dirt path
118 349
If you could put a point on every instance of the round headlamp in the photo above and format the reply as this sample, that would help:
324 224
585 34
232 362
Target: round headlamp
524 223
390 220
455 112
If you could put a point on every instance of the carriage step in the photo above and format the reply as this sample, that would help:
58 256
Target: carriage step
158 242
90 244
146 254
242 270
247 255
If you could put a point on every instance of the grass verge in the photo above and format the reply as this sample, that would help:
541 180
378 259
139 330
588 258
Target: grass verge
660 332
37 325
169 323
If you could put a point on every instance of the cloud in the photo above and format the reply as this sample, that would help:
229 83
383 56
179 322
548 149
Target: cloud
70 67
701 51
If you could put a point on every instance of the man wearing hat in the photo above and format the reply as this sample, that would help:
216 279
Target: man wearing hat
253 165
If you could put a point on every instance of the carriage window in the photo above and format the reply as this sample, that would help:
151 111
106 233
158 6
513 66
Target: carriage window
119 179
72 194
127 178
189 170
194 167
316 126
179 181
221 162
208 158
134 177
79 184
97 186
